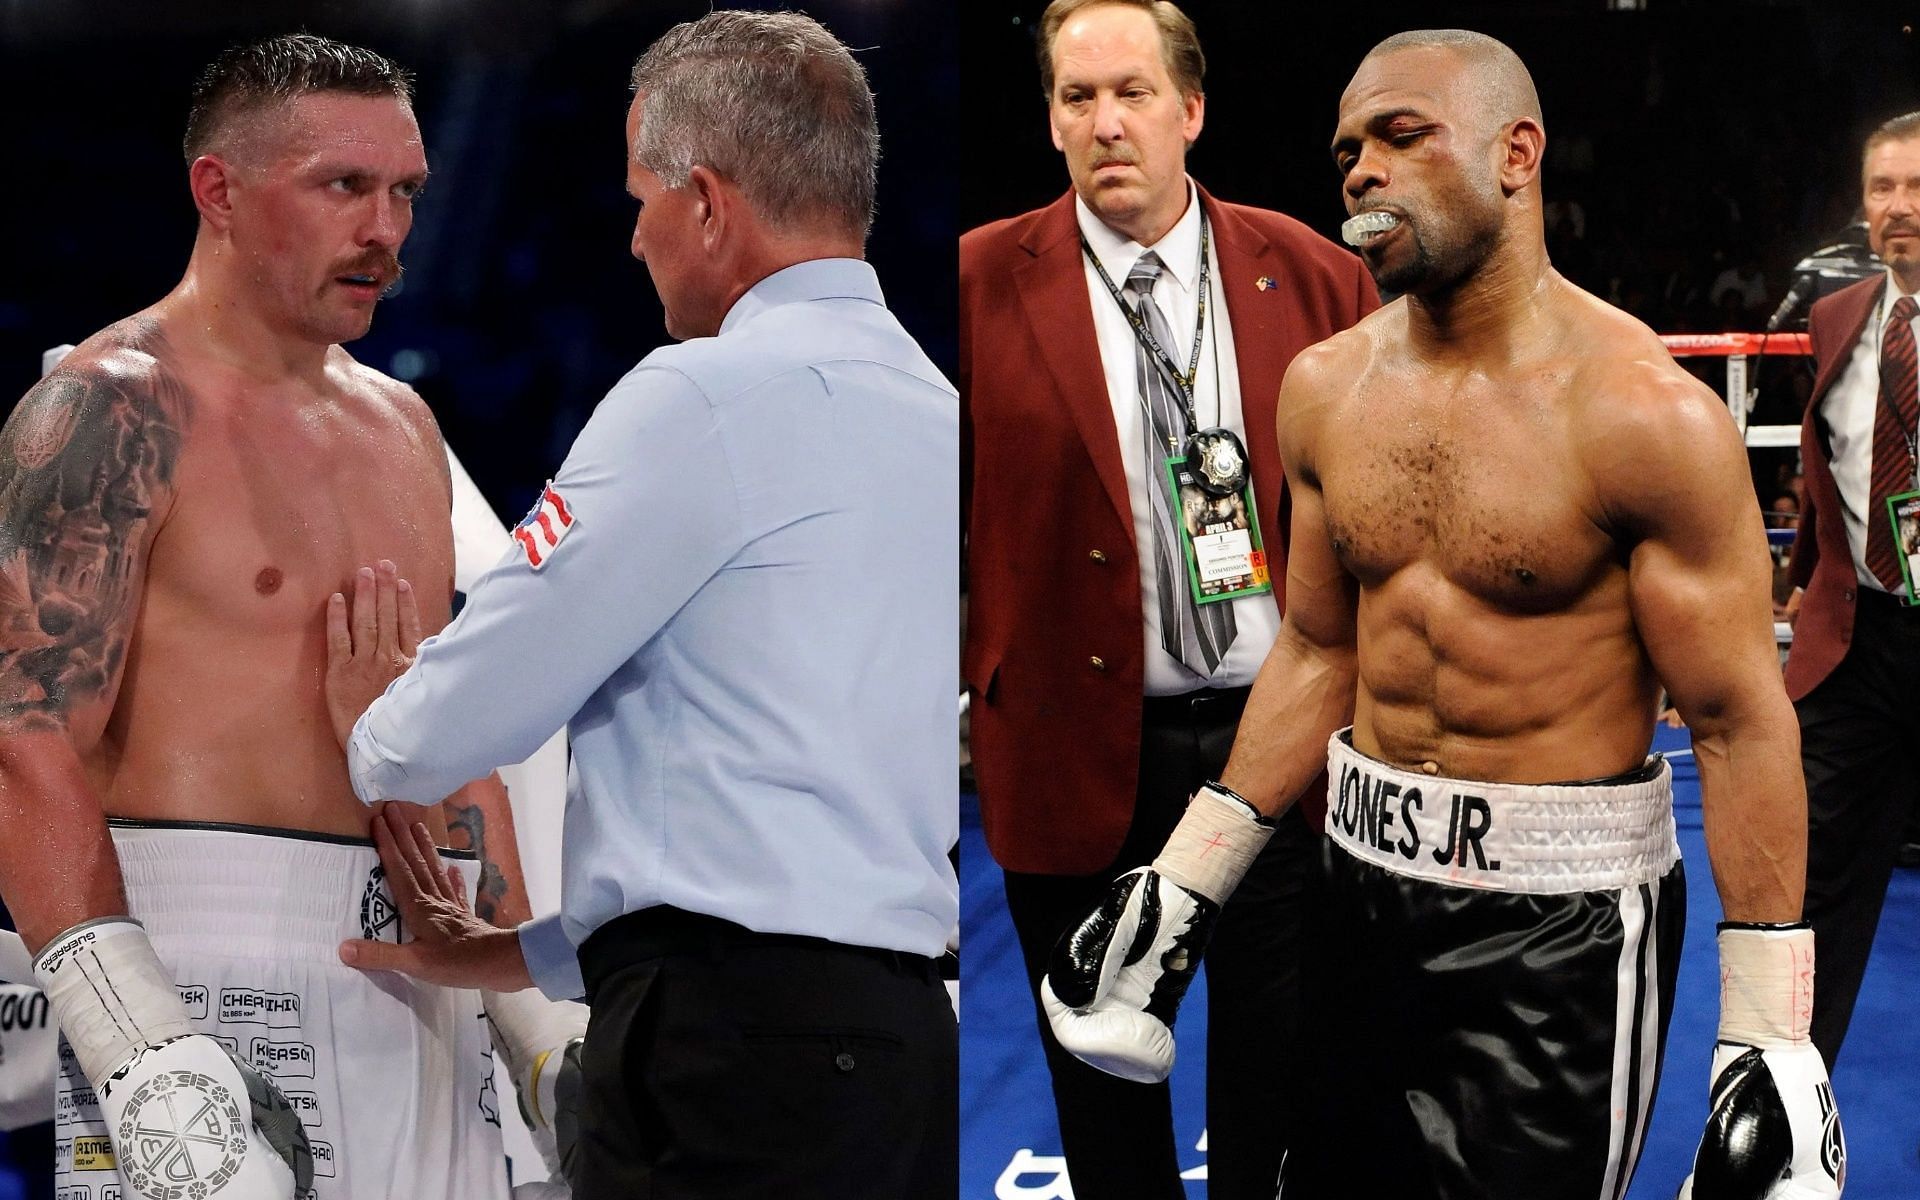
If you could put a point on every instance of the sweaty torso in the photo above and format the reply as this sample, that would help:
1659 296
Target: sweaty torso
1495 635
280 492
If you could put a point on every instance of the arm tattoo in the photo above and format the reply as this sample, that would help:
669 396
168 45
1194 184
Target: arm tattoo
84 460
467 830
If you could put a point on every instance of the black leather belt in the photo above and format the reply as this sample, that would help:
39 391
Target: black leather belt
663 930
1207 704
1881 602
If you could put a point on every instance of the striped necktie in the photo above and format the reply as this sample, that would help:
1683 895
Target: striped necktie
1894 423
1196 634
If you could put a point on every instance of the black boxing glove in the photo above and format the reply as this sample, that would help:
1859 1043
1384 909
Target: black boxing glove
1118 975
1773 1132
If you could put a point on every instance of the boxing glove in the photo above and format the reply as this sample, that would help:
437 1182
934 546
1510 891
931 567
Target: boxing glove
1773 1132
188 1121
1117 976
540 1041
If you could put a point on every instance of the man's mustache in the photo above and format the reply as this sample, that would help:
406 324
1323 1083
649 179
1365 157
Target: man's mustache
382 264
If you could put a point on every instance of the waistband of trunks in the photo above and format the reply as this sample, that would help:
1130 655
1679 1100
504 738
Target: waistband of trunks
1548 838
245 891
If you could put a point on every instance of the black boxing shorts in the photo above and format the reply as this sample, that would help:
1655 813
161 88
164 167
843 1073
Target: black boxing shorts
1488 985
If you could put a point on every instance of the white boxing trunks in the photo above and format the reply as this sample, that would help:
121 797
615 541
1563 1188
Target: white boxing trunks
1489 980
392 1078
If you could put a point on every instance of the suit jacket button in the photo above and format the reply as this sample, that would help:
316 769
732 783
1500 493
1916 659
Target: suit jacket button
1098 556
1097 663
1849 595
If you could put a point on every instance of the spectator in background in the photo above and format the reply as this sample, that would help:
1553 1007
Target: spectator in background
1783 512
1739 292
755 882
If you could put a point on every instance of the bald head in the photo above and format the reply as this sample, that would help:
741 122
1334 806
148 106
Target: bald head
1496 82
1442 128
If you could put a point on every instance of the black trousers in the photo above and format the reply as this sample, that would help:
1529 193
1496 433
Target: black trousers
1118 1136
722 1064
1859 730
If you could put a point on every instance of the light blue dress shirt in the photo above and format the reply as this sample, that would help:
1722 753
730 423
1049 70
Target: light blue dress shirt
748 630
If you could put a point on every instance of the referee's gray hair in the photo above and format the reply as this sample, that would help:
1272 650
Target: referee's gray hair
773 102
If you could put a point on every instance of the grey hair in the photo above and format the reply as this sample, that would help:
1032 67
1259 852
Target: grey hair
1896 129
773 102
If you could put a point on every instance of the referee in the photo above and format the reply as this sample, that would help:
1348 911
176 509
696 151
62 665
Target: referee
738 594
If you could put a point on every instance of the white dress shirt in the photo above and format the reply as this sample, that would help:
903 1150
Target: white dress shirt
1850 407
1216 402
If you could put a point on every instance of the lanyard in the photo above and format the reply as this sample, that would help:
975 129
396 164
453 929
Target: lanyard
1145 336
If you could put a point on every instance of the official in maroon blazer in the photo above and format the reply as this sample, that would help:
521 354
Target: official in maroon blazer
1854 670
1088 732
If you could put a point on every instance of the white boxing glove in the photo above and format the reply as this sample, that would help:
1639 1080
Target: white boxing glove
540 1040
188 1121
1773 1132
1118 975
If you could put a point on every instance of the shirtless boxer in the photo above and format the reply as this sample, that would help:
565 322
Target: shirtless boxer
178 501
1514 519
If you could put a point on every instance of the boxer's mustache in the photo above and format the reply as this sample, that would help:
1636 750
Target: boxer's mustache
383 265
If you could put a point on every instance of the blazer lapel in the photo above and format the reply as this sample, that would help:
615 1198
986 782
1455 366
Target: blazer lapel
1856 324
1053 299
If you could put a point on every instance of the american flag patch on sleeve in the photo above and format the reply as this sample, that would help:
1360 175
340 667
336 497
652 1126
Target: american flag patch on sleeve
541 533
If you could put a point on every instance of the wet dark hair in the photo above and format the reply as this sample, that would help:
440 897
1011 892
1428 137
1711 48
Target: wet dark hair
246 79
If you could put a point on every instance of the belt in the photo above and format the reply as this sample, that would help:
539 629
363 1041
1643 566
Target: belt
1207 704
1879 602
663 930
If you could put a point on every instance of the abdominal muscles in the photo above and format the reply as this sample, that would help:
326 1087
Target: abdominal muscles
1480 690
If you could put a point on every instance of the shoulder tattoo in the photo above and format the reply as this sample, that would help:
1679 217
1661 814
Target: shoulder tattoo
85 459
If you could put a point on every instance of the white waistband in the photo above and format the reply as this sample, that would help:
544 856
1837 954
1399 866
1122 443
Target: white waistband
255 893
1508 837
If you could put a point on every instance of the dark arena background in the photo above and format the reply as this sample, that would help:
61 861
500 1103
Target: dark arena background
1696 153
